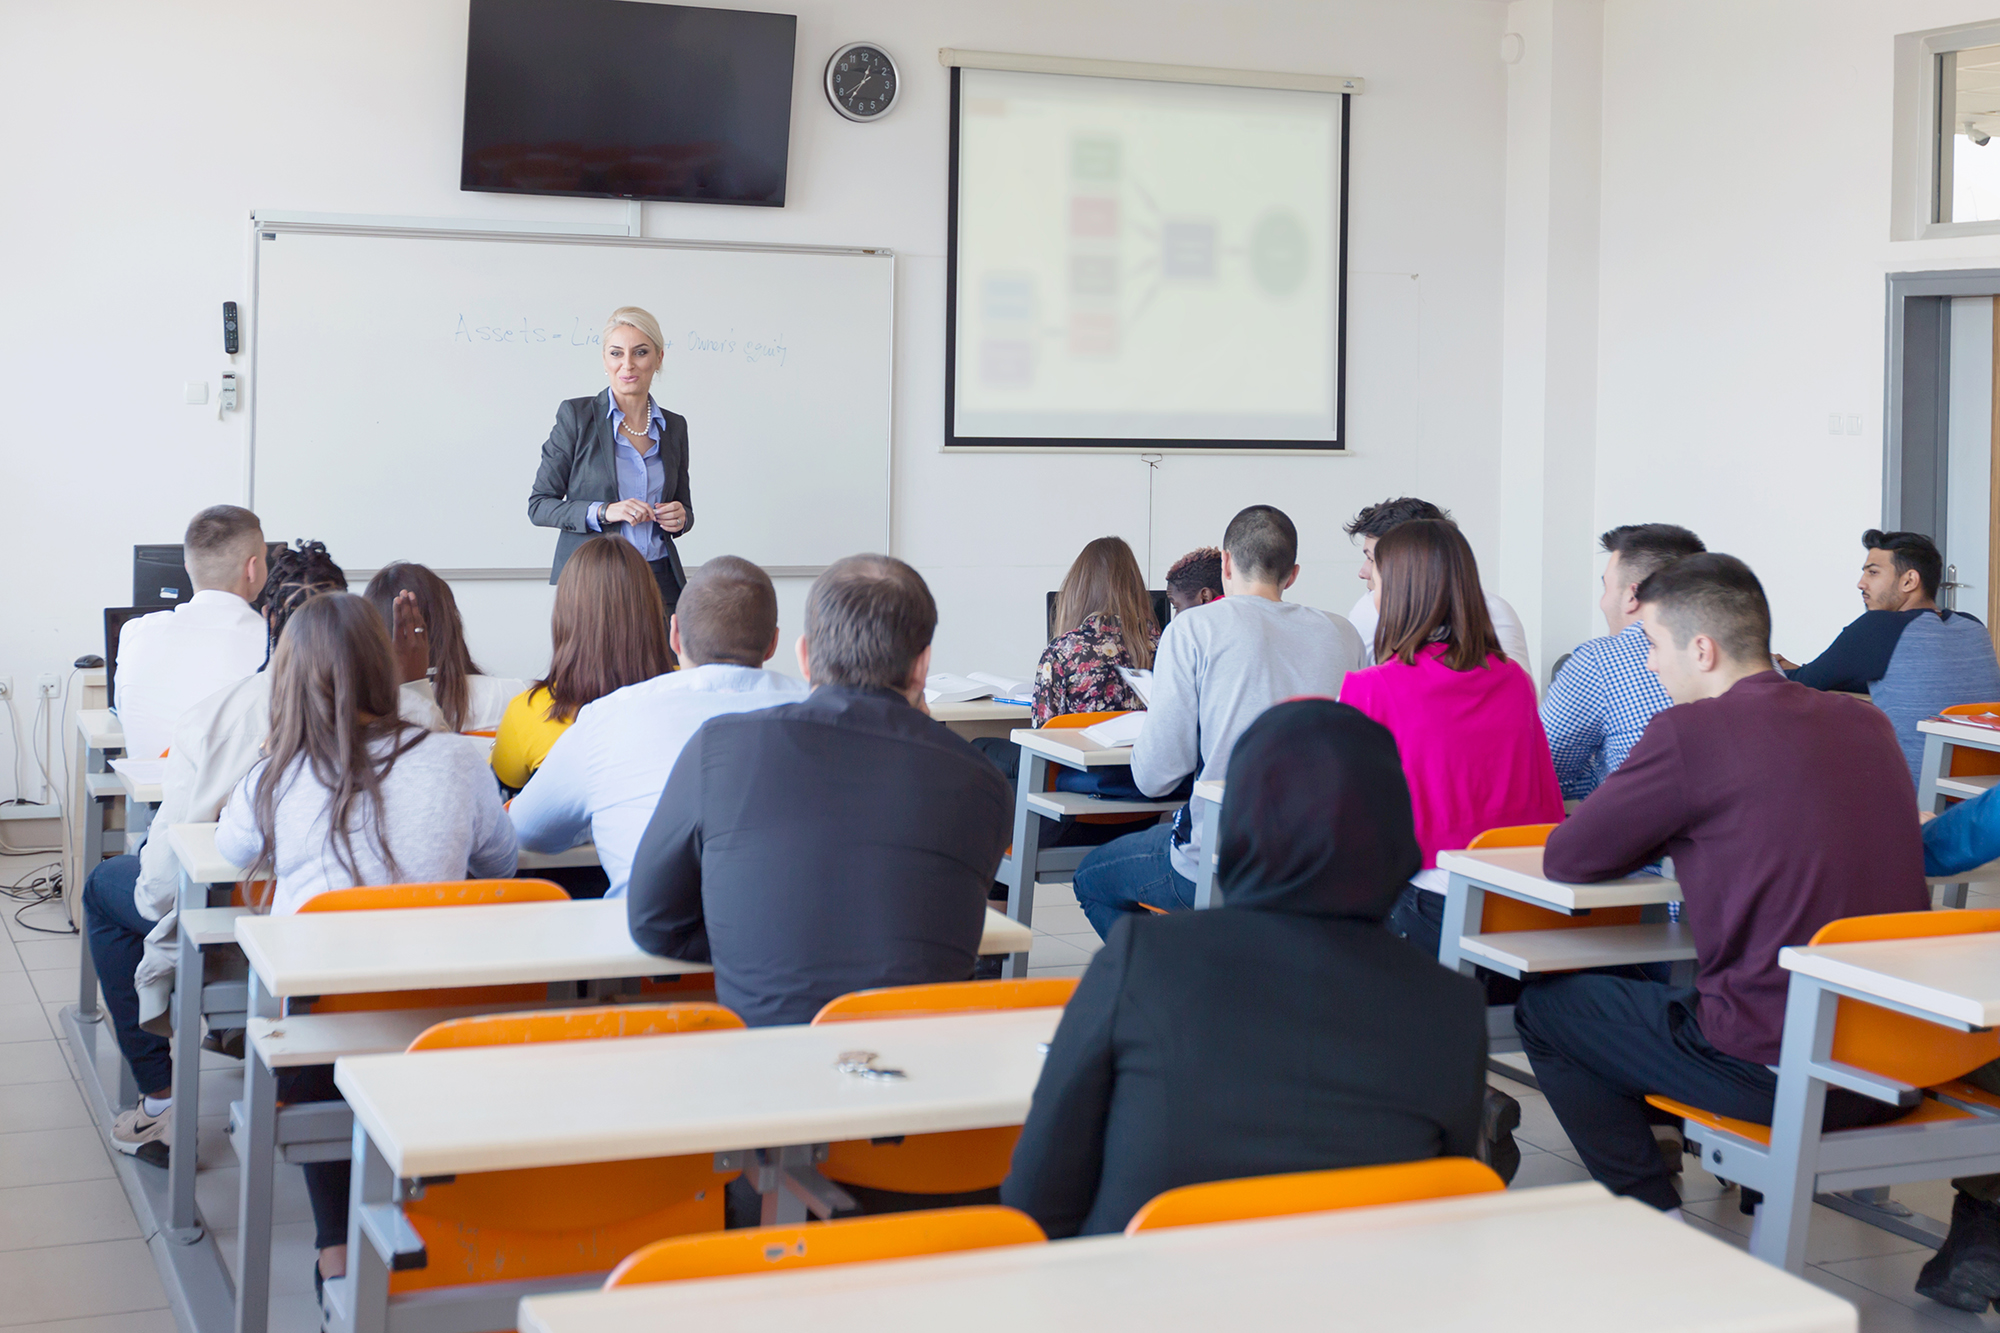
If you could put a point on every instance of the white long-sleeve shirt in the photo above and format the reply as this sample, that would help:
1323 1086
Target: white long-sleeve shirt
1218 667
171 660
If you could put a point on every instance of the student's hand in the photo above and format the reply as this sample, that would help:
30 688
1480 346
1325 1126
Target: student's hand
628 511
413 649
672 516
1925 816
1784 663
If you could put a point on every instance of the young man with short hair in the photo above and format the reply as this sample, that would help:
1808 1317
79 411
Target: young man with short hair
1599 703
171 660
602 779
1369 525
1217 667
1773 800
1195 579
1912 658
843 842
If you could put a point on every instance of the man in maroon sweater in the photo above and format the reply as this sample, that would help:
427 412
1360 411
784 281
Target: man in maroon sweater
1784 808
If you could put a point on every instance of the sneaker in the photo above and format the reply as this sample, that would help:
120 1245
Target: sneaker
1965 1272
1498 1120
1668 1139
143 1136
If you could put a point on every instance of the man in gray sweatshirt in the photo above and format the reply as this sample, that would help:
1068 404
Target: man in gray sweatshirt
1218 667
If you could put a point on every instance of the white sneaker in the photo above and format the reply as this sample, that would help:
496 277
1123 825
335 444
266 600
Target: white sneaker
134 1130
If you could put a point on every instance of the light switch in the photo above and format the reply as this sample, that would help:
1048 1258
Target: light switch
1833 423
1853 423
194 391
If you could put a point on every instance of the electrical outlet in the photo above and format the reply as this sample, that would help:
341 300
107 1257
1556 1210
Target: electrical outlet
48 685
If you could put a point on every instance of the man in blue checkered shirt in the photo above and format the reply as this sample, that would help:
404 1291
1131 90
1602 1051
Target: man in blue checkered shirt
1599 703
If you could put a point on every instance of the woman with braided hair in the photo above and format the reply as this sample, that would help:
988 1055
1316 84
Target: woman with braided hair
129 900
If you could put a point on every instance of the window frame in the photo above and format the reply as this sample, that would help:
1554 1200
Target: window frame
1923 167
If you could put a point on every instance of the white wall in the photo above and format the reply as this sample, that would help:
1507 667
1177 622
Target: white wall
156 129
1745 237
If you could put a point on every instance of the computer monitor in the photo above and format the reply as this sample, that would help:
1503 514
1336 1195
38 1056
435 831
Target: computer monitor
114 624
1163 609
160 576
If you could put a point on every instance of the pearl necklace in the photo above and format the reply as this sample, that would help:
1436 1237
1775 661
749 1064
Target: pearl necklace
645 434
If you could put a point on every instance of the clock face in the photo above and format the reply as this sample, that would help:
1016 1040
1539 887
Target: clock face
861 81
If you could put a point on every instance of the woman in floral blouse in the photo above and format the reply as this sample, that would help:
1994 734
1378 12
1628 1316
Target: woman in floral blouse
1102 595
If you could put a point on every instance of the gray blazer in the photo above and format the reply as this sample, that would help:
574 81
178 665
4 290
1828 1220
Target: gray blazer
580 467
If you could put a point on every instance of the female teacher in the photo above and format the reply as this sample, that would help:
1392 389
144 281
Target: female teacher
616 462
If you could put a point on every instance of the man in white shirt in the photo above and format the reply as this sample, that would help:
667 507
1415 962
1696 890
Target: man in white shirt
603 777
170 660
1218 666
1369 525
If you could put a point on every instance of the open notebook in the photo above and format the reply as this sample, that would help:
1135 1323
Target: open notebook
944 688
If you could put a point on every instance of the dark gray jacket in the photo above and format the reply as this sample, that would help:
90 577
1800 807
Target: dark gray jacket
579 468
841 843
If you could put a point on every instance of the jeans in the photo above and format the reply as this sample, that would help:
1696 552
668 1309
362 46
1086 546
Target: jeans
1121 875
1600 1044
1418 919
327 1183
117 942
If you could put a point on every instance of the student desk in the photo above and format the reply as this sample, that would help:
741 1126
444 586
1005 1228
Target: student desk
1568 1258
777 1089
1516 872
1950 980
1026 858
1936 789
983 717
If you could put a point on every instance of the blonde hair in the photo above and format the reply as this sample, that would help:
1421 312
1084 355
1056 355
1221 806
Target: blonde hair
641 320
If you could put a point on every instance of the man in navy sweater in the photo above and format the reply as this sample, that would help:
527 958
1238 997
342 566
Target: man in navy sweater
1912 658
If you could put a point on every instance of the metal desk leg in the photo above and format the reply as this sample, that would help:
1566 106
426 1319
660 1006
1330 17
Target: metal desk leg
1786 1212
793 1190
1464 905
1211 848
1937 758
93 856
1032 776
182 1225
367 1297
258 1181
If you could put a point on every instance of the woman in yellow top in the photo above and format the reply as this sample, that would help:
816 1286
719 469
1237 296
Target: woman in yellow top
608 631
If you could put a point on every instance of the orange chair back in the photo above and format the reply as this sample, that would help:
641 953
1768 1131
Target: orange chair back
953 1163
947 997
452 893
564 1220
1900 1046
1967 762
1314 1192
854 1240
1503 914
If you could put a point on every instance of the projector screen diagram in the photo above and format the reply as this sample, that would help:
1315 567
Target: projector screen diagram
1144 264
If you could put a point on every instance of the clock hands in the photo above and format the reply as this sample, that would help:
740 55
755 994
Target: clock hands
857 87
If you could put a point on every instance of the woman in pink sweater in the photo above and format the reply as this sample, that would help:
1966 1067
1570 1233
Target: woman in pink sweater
1463 715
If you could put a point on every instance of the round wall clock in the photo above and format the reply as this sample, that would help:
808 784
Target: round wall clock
861 81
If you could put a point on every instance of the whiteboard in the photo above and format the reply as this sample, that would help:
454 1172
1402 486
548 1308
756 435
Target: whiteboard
404 381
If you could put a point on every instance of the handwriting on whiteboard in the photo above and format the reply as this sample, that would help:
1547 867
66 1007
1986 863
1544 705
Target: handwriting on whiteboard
767 349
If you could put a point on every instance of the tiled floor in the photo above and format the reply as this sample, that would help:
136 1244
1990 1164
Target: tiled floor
72 1259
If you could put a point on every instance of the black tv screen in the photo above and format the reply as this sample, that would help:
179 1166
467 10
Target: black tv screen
621 100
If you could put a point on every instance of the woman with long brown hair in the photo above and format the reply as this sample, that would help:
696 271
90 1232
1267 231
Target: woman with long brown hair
1104 620
348 794
608 631
470 699
1463 714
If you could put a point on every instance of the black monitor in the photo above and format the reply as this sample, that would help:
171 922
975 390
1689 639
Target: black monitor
1163 609
114 624
615 99
159 577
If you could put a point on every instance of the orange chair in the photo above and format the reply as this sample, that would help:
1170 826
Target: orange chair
565 1220
1893 1046
451 893
1256 1197
1502 914
1967 762
855 1240
951 1163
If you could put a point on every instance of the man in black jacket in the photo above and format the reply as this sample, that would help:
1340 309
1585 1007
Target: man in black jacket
838 844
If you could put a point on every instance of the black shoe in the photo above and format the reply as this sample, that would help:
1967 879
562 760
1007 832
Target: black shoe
1498 1120
988 967
1965 1272
227 1041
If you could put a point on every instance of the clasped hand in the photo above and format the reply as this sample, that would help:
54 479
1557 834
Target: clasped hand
672 516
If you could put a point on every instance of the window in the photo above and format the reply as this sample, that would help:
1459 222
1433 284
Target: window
1968 122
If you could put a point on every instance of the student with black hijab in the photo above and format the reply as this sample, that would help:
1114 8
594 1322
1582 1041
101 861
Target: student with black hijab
1287 1030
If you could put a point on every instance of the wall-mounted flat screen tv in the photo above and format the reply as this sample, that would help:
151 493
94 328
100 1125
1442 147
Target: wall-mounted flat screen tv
620 100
